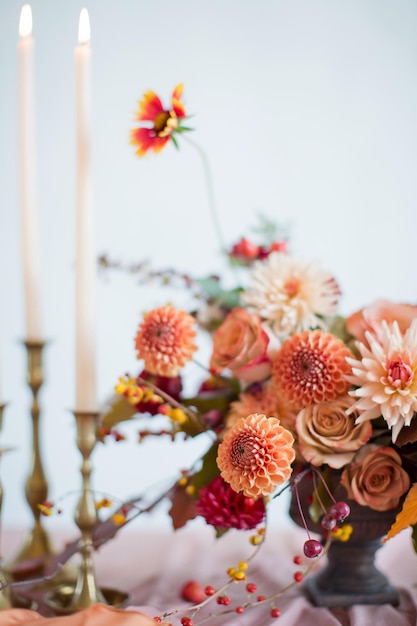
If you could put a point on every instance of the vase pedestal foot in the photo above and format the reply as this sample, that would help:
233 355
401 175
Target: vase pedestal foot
351 577
333 599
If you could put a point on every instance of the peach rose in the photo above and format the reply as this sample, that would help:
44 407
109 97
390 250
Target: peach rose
376 478
327 435
239 345
370 318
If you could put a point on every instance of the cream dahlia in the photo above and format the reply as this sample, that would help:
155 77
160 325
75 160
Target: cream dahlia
310 368
256 455
291 295
386 377
165 340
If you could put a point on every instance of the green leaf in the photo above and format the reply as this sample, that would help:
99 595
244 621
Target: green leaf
210 285
231 298
338 328
182 129
209 469
175 142
269 230
191 427
219 398
120 410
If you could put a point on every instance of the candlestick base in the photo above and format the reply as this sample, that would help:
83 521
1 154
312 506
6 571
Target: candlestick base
5 598
61 599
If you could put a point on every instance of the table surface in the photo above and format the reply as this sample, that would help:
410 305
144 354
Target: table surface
152 567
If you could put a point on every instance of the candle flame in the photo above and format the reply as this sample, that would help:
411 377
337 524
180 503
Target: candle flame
25 22
84 27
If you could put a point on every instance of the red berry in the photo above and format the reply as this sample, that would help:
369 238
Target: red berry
340 510
226 600
187 621
297 560
328 522
312 548
239 610
209 590
260 598
193 592
298 577
275 612
251 587
157 619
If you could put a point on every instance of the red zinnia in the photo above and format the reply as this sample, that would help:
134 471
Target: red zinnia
223 508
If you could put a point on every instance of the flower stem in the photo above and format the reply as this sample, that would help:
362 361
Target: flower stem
210 191
300 508
316 471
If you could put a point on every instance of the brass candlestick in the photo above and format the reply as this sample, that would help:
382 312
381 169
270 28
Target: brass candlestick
65 599
86 591
5 602
37 543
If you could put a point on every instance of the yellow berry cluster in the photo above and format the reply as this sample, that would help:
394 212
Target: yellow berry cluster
135 393
342 533
238 573
177 416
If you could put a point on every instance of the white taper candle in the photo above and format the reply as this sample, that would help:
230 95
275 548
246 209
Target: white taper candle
86 399
29 223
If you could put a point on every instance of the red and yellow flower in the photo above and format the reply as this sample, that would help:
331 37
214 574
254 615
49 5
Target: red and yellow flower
162 123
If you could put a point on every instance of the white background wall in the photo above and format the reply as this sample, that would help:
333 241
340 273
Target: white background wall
307 110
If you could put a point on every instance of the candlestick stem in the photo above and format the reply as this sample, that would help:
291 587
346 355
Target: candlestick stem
86 590
37 543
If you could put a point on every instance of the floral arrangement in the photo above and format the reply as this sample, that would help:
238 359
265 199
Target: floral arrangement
291 387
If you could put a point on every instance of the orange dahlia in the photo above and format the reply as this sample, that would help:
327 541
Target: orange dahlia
311 367
261 399
256 455
162 123
165 340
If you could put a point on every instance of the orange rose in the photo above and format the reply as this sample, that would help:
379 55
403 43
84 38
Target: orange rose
376 478
327 435
370 318
239 345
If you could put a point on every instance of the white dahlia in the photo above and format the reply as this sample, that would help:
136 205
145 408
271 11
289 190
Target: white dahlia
291 295
386 377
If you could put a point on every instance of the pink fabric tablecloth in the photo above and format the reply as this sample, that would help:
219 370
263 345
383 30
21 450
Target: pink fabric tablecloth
153 566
